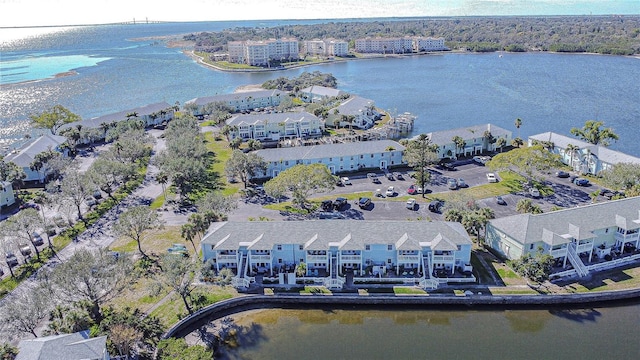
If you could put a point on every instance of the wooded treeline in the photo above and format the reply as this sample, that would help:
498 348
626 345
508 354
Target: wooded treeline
619 35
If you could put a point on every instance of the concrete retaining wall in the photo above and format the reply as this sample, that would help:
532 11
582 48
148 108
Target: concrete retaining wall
250 302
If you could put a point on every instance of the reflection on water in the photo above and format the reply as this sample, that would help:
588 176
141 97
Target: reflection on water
438 334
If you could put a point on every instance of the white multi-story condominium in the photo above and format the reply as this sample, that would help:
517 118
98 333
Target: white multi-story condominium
275 126
384 45
7 196
588 237
355 112
476 140
25 156
241 101
339 158
327 47
236 52
418 251
583 157
428 44
258 53
152 115
317 93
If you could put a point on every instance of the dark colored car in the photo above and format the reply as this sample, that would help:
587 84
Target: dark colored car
446 166
500 200
37 239
398 175
339 203
326 205
581 182
364 202
435 206
12 260
562 174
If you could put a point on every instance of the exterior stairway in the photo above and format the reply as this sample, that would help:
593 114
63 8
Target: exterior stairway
575 260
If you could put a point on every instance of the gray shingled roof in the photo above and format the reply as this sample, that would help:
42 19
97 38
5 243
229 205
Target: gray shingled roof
353 105
25 155
350 234
271 118
328 150
322 91
468 132
602 152
201 101
62 347
96 122
580 221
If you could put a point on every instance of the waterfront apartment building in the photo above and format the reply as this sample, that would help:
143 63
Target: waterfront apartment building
260 53
581 156
326 47
355 112
399 45
317 93
275 126
339 158
590 238
416 252
476 140
241 101
428 44
7 195
25 156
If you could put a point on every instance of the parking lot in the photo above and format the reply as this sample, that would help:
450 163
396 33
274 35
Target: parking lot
566 194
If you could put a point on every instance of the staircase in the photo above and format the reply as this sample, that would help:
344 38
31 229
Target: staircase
334 266
575 260
240 280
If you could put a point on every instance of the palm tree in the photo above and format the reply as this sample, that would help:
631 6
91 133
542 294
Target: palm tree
459 142
500 143
592 133
572 149
518 123
485 215
517 142
162 178
301 269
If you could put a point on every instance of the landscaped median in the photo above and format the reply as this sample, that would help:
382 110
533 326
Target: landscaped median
252 302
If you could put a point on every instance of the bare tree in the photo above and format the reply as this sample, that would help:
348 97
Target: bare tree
178 273
22 227
134 222
24 312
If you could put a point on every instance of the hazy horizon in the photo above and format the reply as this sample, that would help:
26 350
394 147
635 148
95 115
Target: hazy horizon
19 13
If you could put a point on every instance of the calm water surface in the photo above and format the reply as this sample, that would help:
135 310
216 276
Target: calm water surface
601 333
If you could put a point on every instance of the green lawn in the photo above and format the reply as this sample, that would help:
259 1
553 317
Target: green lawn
408 290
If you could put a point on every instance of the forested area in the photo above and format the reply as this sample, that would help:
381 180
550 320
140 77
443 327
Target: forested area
618 35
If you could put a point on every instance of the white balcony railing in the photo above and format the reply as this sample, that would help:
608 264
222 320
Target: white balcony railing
558 253
316 258
443 258
409 258
227 258
351 258
260 258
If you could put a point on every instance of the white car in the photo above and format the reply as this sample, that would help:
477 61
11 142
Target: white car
390 191
535 193
411 204
491 177
345 180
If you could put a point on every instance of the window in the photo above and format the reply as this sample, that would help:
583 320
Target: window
361 156
279 247
367 247
330 159
372 156
531 247
300 247
389 247
388 261
279 261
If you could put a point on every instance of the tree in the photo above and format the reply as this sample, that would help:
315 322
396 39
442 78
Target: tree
419 154
75 187
26 311
572 150
22 227
527 161
178 273
459 143
527 206
244 166
162 178
235 143
129 331
593 133
12 173
217 203
301 181
8 351
500 143
107 174
134 222
197 224
92 277
301 269
254 144
621 176
65 319
518 124
489 139
54 118
517 142
536 267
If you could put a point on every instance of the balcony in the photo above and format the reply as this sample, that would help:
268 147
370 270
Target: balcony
260 258
443 258
226 258
351 258
316 258
409 258
557 253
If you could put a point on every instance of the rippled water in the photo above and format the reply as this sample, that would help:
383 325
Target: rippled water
114 73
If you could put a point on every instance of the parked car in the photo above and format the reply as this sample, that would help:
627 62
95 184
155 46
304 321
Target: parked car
534 192
364 202
562 174
411 204
11 259
373 177
481 160
345 180
609 194
443 165
412 190
435 206
500 200
339 202
326 205
37 239
97 194
390 191
390 176
25 250
452 184
178 249
90 201
491 177
462 183
398 175
581 182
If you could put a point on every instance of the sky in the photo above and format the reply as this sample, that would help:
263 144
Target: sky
17 13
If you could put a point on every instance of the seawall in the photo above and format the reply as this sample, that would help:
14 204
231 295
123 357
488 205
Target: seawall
250 302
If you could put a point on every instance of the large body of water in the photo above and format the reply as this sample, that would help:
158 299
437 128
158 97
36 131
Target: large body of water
547 91
580 334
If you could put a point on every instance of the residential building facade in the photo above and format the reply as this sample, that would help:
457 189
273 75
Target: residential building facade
259 53
275 126
361 113
581 156
241 101
7 196
475 139
339 158
428 44
326 47
384 45
584 236
25 156
317 93
420 252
